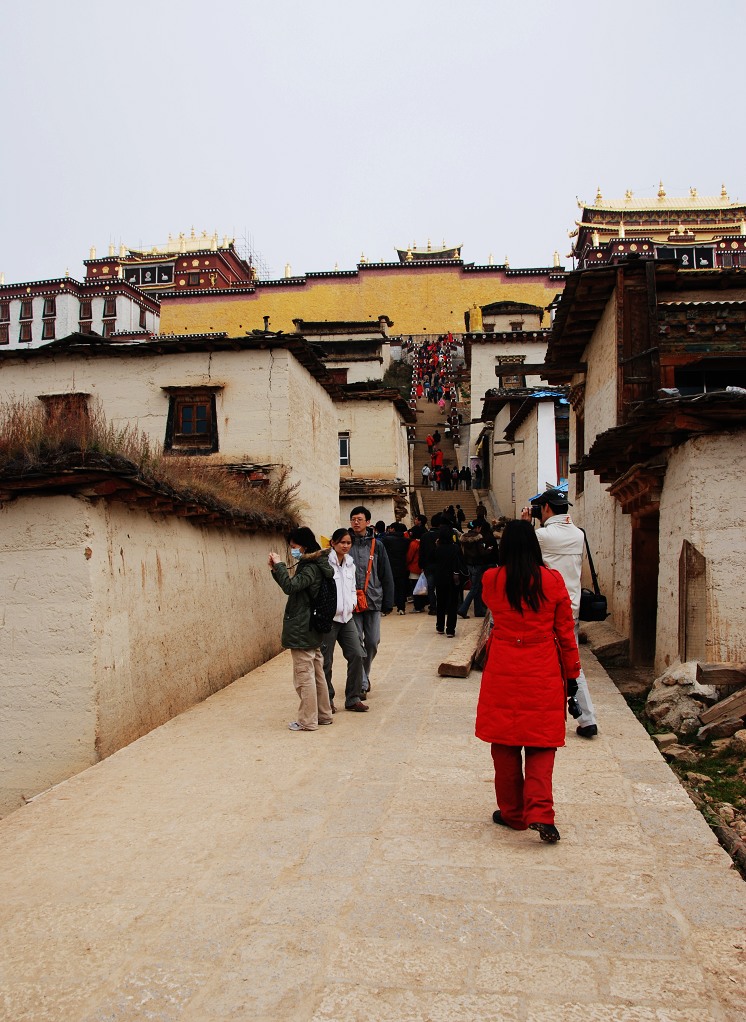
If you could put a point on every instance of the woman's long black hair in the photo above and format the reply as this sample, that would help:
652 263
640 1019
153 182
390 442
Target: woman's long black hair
520 555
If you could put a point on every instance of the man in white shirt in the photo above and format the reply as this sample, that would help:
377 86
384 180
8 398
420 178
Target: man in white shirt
562 545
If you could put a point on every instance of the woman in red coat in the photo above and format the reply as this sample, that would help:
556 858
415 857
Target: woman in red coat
523 697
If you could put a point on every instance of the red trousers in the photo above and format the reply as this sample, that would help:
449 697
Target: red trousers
524 799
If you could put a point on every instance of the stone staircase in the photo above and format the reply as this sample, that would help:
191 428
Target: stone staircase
431 501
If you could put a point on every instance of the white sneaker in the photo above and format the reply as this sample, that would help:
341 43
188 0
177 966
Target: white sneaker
295 726
401 612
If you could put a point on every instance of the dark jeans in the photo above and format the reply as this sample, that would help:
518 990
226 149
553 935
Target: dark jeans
348 638
448 600
475 592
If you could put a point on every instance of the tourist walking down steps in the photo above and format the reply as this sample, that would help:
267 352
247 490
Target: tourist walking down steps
297 635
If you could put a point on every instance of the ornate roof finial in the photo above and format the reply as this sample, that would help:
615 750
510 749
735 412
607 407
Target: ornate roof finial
362 258
692 193
93 251
506 264
336 267
661 190
429 246
288 271
409 257
628 194
556 258
723 193
599 196
490 260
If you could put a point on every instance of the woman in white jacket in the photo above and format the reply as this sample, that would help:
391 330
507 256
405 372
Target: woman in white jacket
344 630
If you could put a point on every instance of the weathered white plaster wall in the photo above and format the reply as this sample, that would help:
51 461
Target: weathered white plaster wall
360 372
47 713
378 440
270 409
381 508
113 621
546 446
701 503
486 354
502 467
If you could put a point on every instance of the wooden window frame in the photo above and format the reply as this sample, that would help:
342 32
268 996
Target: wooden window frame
4 333
24 334
179 441
27 309
110 308
4 312
50 307
48 330
86 309
345 460
108 327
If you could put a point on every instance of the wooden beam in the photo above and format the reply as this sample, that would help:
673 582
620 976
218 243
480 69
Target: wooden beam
731 707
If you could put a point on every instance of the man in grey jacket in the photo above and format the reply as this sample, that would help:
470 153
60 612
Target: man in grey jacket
379 592
562 546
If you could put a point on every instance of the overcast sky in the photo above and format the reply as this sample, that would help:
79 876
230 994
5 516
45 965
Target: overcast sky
318 132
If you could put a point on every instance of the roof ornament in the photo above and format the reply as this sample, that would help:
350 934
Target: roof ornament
288 272
430 247
723 192
111 248
661 190
362 258
490 260
506 263
409 257
743 226
599 196
93 252
628 194
596 240
692 193
556 258
621 228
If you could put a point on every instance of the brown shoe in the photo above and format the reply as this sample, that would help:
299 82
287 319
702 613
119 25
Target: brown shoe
358 707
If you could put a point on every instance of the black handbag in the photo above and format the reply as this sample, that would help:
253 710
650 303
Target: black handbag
592 602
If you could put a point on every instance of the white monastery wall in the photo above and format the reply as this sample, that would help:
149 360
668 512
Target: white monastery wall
502 467
699 503
486 355
381 508
378 440
114 621
361 372
601 377
525 461
546 442
270 410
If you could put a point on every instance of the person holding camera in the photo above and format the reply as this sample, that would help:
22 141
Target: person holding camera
562 545
532 664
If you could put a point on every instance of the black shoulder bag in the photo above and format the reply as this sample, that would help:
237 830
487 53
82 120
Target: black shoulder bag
592 604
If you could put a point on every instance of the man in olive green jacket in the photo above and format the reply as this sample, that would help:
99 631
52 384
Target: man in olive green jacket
297 635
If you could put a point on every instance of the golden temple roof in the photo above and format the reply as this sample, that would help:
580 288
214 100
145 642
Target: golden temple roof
661 202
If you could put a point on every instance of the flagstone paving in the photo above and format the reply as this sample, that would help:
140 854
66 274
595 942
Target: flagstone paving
225 868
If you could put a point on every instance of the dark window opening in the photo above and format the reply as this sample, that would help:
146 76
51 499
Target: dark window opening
25 333
85 310
110 307
192 423
703 378
26 310
4 312
50 307
47 330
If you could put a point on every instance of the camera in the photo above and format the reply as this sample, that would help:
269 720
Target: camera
572 707
535 511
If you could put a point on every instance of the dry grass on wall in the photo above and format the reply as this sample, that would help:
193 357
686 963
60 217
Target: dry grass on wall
31 442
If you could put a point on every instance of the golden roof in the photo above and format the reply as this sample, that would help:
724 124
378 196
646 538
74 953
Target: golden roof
661 202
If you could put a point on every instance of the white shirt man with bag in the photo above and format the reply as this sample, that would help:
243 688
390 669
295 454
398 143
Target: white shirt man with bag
562 546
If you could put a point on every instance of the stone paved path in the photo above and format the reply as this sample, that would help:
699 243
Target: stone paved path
224 868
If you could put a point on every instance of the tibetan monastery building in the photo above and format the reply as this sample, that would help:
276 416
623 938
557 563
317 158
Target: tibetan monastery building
699 232
423 292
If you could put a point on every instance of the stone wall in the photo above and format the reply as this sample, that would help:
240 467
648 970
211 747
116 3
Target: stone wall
113 621
487 353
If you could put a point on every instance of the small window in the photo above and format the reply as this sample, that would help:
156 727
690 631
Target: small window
47 330
50 307
143 319
344 448
194 279
4 312
26 309
110 307
85 310
69 410
109 327
25 333
192 422
85 326
4 333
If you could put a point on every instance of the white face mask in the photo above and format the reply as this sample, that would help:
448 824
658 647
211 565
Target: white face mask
296 554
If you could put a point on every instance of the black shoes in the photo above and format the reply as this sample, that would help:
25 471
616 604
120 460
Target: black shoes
547 832
589 731
497 817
